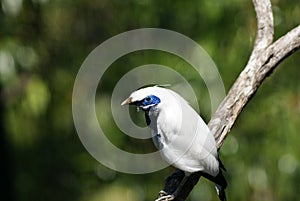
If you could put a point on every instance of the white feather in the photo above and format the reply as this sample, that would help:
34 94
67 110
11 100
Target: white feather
179 132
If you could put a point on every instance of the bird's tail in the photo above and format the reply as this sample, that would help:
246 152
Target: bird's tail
220 185
220 182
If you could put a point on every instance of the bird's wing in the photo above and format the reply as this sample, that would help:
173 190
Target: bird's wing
196 142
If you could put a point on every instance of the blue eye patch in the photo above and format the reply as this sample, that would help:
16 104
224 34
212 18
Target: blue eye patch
150 100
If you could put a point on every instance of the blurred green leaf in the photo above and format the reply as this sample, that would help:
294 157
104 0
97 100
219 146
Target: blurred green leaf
42 45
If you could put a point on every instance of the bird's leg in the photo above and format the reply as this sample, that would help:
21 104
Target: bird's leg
178 189
183 181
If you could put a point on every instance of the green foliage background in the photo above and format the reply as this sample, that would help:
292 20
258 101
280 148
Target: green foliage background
42 46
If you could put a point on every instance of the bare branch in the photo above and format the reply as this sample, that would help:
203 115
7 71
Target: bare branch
227 112
248 82
264 58
265 26
283 47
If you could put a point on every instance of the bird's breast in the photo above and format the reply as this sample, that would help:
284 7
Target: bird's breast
184 140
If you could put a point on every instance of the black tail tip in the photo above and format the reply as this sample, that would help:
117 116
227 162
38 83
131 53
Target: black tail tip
221 192
222 195
221 185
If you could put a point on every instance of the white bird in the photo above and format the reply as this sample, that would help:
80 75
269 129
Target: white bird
180 134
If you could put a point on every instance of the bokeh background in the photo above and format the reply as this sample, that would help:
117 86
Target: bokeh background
42 46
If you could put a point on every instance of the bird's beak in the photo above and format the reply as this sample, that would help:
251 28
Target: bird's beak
127 101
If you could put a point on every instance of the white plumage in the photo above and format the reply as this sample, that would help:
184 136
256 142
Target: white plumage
183 138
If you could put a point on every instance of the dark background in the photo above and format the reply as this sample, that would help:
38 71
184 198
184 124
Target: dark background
42 46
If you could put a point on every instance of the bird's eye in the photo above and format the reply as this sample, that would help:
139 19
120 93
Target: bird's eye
150 101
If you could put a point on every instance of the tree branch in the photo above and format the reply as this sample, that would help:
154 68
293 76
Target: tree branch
265 26
264 58
239 94
257 69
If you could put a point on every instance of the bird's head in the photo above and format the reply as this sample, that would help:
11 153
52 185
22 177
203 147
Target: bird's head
145 98
156 101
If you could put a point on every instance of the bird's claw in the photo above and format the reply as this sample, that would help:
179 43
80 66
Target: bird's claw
162 193
163 196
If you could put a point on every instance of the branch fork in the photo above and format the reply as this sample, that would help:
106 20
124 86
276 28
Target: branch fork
265 57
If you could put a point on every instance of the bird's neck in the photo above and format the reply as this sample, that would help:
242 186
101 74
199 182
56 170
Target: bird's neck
164 120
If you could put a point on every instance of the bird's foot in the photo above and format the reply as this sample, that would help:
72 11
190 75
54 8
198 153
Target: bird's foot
163 196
